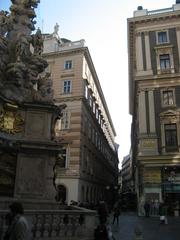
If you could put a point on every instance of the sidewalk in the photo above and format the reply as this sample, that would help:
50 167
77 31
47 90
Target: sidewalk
150 227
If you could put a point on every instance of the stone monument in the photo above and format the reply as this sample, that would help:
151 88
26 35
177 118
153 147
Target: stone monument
28 115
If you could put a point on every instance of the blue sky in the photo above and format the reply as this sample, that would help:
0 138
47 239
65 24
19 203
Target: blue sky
103 25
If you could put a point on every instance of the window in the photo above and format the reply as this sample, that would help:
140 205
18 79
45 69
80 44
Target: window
67 86
68 64
94 106
97 112
164 61
168 97
62 158
86 92
90 100
64 122
171 137
162 37
164 58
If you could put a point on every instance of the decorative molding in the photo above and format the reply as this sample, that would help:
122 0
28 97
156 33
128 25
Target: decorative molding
10 120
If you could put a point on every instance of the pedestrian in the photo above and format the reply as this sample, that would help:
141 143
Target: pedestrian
8 221
163 213
18 228
147 208
156 206
116 214
152 207
101 232
102 212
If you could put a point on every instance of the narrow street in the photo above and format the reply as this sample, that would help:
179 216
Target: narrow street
150 227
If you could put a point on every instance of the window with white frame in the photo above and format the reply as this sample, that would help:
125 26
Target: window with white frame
94 106
67 86
162 37
164 61
171 142
86 91
90 100
164 58
168 97
68 64
97 112
64 122
170 127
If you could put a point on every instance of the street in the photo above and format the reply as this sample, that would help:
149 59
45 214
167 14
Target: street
151 229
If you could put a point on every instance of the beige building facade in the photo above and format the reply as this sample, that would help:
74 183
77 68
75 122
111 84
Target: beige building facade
88 162
154 87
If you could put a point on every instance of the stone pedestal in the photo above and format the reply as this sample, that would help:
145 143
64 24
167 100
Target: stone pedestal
27 153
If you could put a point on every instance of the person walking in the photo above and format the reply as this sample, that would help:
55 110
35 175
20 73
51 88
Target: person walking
101 232
163 213
18 228
147 209
116 214
103 212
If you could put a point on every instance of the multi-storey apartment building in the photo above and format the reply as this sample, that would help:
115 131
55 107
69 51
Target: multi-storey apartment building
154 84
88 162
127 175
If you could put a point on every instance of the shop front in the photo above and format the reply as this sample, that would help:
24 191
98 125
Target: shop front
171 189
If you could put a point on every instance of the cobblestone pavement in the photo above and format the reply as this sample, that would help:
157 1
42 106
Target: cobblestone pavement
150 227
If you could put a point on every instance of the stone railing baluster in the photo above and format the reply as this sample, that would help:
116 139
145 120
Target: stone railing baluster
57 224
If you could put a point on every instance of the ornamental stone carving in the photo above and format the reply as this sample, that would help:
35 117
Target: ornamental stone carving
21 70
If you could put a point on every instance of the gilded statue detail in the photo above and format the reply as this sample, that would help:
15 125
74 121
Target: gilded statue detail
11 122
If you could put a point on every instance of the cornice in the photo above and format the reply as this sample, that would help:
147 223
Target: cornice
62 99
70 51
155 17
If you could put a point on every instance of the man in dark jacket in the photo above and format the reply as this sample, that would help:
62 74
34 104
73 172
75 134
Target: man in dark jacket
147 209
101 232
19 227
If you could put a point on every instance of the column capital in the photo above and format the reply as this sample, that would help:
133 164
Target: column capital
138 34
146 33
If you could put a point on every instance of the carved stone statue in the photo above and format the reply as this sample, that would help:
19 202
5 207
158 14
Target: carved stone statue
37 42
20 69
56 29
3 22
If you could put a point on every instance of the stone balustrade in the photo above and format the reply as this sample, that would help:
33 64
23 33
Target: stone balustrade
57 224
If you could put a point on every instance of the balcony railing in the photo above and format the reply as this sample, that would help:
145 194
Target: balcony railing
57 224
159 11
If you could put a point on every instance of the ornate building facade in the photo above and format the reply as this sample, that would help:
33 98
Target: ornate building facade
89 161
154 94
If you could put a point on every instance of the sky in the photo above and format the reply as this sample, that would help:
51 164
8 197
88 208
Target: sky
103 25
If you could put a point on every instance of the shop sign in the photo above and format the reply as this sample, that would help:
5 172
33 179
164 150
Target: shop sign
152 176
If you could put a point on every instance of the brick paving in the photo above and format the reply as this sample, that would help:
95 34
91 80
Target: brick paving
150 227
